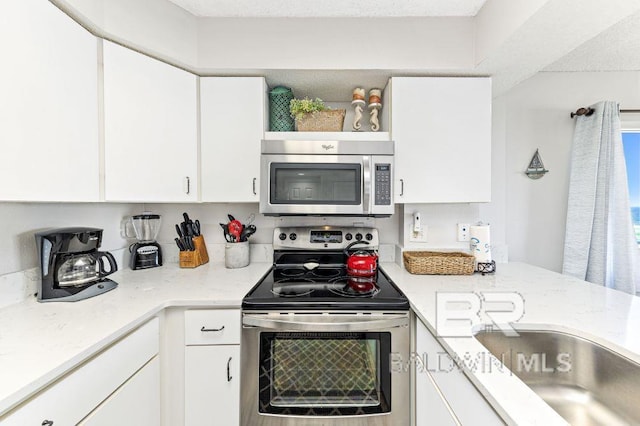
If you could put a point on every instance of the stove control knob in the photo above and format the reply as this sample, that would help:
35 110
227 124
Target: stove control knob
282 236
368 237
358 236
293 236
348 237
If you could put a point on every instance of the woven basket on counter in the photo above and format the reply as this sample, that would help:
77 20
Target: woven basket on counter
438 263
322 121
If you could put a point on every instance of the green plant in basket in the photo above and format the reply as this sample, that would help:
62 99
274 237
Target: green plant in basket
300 107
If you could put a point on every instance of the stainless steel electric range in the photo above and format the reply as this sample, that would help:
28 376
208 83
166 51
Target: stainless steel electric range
318 345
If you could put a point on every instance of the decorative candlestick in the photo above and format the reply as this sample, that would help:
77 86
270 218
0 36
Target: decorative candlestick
375 105
358 104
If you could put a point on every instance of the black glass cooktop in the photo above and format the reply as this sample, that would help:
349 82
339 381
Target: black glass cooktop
307 281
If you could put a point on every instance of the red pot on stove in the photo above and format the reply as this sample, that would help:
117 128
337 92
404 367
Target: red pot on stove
361 263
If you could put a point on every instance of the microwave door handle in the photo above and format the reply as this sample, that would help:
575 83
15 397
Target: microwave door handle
366 184
301 325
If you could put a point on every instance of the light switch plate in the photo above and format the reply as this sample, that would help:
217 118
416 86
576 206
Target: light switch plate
418 237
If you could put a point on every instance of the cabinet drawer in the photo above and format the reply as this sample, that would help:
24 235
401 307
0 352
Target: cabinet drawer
212 327
70 399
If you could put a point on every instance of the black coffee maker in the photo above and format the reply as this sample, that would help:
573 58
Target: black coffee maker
72 267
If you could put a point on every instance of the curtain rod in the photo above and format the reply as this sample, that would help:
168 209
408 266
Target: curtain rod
588 111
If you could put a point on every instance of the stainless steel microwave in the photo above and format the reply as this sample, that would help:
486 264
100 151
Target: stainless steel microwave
350 178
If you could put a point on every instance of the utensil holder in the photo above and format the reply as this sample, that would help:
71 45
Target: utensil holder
197 257
236 255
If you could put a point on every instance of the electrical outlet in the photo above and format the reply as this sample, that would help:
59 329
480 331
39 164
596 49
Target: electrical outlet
418 237
463 232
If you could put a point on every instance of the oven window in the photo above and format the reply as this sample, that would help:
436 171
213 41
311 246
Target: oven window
330 374
303 183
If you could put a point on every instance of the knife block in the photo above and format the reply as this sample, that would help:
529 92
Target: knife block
197 257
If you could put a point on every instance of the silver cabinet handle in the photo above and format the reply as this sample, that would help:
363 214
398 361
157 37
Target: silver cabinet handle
204 329
229 370
254 186
401 187
47 423
187 182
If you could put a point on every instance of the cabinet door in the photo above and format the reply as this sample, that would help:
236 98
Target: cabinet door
150 114
232 120
442 130
48 107
212 385
463 399
431 407
136 402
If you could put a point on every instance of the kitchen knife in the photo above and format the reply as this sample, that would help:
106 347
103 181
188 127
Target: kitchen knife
179 243
178 231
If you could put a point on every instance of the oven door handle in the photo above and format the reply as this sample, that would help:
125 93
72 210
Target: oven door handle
301 325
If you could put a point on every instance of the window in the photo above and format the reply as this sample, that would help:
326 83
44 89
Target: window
631 144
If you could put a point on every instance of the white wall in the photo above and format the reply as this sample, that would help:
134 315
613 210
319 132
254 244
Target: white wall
158 28
536 115
335 43
19 221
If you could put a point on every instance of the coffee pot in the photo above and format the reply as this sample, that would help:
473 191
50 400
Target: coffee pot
71 266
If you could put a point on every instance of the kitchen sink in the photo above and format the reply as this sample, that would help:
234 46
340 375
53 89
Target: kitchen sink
586 383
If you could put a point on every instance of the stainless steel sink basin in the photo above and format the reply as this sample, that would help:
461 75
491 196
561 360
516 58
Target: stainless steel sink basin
584 382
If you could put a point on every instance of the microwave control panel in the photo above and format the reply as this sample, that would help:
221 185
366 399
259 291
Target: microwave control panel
383 184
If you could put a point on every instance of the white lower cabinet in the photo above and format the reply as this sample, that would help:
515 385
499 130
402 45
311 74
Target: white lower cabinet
212 385
74 397
445 396
212 367
137 402
431 407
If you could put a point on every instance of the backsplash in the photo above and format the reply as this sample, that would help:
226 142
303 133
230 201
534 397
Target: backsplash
18 222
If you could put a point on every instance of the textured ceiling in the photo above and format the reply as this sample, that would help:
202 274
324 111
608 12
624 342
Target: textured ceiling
330 8
615 49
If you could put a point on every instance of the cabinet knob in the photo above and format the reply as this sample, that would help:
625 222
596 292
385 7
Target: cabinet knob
254 186
401 187
47 423
229 370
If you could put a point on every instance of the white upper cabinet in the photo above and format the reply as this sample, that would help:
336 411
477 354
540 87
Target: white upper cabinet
232 117
442 133
48 105
150 115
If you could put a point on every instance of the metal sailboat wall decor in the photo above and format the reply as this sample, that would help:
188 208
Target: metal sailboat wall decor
536 168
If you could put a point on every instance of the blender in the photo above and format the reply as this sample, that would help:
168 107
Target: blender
146 252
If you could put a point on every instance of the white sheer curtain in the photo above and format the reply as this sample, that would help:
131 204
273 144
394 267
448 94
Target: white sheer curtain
600 245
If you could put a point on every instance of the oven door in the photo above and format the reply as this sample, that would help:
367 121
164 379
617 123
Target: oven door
315 184
324 369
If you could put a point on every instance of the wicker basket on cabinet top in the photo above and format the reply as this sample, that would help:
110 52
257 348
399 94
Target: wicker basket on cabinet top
438 263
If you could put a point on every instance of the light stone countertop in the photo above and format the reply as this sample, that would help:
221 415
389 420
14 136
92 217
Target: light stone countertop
552 301
39 342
